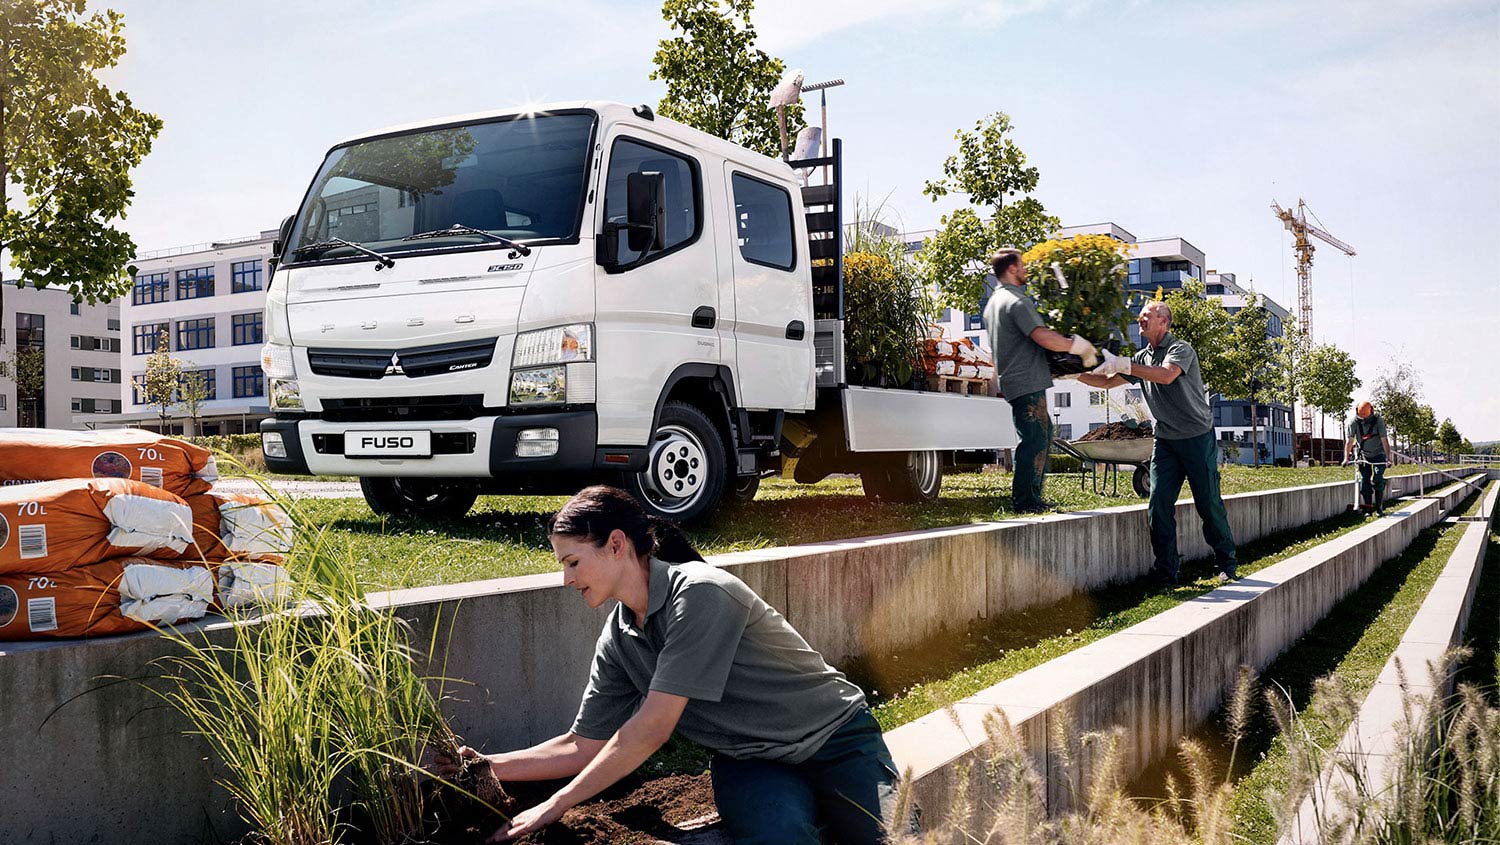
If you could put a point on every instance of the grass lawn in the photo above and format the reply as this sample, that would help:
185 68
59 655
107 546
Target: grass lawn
504 535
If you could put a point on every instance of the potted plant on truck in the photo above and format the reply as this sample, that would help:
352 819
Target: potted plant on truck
1079 287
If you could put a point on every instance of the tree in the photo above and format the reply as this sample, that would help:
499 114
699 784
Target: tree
1397 396
991 170
1203 323
192 392
1256 364
68 143
717 80
1448 438
1329 382
1425 432
163 375
26 366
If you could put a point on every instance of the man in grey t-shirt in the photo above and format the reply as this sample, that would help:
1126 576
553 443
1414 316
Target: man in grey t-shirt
1367 433
1019 341
1172 383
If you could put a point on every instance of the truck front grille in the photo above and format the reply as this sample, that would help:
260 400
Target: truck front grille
406 408
412 362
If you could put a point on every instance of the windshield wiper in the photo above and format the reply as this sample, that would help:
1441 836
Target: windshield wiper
324 246
461 229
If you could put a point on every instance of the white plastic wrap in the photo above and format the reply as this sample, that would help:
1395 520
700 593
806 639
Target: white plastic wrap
149 524
254 530
243 583
151 593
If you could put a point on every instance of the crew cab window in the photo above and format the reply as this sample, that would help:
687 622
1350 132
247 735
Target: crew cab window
680 197
763 220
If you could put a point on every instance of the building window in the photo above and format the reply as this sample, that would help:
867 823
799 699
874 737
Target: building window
149 288
210 382
74 308
195 334
1093 426
1065 431
249 381
1097 397
78 406
245 328
138 390
244 276
195 283
1134 394
146 335
31 329
763 219
1062 400
2 401
112 324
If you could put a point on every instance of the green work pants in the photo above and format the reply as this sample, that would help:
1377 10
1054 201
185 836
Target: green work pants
1197 460
1034 428
1374 493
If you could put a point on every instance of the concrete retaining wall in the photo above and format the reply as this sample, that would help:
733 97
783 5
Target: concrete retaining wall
525 645
1372 743
1156 679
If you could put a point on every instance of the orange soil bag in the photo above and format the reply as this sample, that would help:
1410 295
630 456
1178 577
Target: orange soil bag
110 597
53 526
238 526
34 454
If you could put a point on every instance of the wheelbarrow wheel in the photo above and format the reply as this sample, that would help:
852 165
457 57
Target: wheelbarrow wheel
1141 481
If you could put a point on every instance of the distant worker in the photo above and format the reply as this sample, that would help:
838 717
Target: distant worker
1019 339
1367 434
1172 383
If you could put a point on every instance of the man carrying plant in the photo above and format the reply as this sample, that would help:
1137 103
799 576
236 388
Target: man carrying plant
1368 435
1019 339
1167 371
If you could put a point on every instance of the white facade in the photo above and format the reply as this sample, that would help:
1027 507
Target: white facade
81 345
211 299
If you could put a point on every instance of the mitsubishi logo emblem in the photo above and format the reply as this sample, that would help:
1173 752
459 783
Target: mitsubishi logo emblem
394 368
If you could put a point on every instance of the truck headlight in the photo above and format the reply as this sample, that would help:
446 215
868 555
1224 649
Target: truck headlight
285 394
559 345
276 360
548 385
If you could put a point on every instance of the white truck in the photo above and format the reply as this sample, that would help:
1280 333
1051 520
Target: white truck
531 301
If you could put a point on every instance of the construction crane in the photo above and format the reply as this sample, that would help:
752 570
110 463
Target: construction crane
1296 223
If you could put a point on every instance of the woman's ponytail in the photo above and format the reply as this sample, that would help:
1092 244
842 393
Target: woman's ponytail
670 543
597 511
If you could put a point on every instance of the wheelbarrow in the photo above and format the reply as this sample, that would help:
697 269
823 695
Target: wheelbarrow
1110 455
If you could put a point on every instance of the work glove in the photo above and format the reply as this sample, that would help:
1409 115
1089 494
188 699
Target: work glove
1114 365
1085 350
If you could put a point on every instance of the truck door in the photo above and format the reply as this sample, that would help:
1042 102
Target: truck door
773 327
658 307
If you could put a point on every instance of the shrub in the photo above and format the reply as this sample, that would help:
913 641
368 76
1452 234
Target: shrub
885 319
1093 303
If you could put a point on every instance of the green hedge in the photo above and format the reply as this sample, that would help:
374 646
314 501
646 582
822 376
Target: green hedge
1064 463
234 444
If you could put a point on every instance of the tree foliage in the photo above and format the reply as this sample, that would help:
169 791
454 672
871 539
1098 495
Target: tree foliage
1398 398
1329 382
163 375
27 367
1205 325
192 392
717 79
1448 438
67 144
991 170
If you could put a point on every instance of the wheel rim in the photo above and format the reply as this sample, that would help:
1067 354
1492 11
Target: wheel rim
925 467
677 473
421 491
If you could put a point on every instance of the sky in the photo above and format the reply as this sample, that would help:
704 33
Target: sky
1181 119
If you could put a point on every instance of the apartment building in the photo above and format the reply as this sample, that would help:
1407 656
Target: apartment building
80 349
209 300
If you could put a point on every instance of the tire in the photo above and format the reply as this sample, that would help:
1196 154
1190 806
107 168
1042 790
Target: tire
744 488
686 469
904 477
423 498
1141 481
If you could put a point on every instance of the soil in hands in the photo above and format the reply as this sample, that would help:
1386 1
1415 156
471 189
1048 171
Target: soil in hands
634 811
1117 431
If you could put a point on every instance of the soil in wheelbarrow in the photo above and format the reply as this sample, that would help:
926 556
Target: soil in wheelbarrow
1117 431
634 811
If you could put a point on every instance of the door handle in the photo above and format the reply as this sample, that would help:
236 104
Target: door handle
704 317
795 330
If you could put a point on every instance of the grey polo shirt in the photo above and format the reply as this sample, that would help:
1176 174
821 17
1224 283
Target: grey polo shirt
1368 433
1011 317
1180 408
755 688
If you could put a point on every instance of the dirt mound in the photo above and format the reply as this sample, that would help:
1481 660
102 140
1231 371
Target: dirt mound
1117 431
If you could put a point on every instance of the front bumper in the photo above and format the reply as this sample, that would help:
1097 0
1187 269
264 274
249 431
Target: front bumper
472 448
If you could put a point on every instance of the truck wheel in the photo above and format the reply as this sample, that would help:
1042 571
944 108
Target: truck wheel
745 487
686 471
426 498
904 476
1141 481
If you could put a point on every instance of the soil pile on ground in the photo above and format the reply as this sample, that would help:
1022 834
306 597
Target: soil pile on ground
1117 431
633 812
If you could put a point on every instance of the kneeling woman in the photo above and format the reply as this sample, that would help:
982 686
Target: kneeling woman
691 649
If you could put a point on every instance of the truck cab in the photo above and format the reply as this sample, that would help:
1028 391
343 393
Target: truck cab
528 301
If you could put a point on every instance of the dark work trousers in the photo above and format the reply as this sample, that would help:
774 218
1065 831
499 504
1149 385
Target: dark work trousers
1034 428
1197 460
1372 492
844 793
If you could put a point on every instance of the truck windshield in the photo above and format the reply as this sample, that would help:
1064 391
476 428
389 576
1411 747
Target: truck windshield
522 178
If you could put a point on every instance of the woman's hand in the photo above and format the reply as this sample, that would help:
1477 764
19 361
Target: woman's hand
529 821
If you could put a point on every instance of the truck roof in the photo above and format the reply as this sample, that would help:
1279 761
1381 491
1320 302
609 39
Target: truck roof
609 112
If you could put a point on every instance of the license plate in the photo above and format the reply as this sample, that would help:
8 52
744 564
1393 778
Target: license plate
388 444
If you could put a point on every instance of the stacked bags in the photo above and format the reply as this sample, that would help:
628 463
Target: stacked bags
960 358
146 541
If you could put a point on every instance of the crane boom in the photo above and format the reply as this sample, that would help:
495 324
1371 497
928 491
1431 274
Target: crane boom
1296 223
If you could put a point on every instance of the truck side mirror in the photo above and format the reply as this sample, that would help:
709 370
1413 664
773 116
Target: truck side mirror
645 212
282 235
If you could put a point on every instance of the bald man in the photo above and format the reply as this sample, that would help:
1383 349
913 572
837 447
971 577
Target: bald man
1367 434
1167 371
